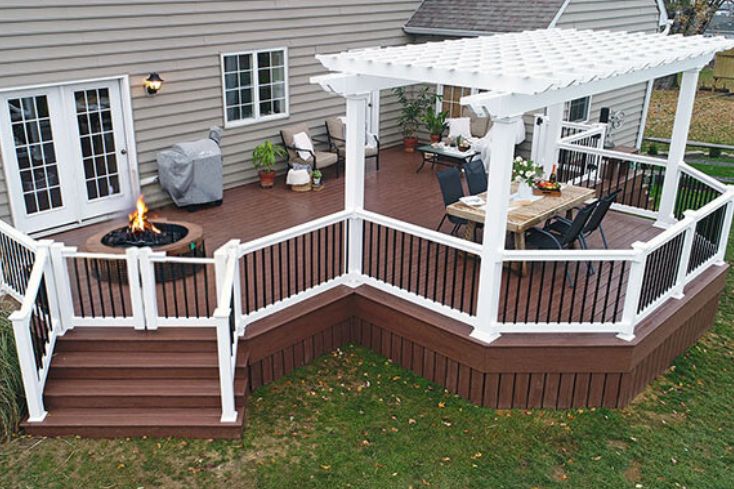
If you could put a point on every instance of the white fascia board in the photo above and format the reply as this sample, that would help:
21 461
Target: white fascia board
346 84
497 104
429 31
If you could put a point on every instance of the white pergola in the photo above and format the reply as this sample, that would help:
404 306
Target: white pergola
518 72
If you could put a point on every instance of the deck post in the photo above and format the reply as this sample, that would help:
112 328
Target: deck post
62 286
553 132
685 255
29 373
725 231
354 181
132 259
678 141
495 224
634 290
148 290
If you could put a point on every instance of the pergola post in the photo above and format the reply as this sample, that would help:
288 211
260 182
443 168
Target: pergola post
553 131
678 141
495 225
354 180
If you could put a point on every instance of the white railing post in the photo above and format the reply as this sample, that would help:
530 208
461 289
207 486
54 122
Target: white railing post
354 181
132 264
634 290
685 255
28 369
678 141
725 230
226 373
148 290
49 284
62 285
233 250
553 133
221 255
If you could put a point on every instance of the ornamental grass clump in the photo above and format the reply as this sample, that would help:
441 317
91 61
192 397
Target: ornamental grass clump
12 402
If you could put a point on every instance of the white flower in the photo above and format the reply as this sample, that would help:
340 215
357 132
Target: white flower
529 173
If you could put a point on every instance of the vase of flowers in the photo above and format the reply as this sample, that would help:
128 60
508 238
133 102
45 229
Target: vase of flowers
525 172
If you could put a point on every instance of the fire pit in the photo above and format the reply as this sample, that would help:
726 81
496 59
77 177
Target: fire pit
175 238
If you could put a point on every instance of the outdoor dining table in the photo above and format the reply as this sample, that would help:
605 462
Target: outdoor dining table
523 214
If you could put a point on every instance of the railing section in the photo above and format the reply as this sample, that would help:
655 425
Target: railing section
17 256
429 268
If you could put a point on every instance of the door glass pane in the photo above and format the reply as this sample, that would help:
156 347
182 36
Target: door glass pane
97 142
34 147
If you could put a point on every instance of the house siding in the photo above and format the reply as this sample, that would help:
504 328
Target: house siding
72 40
616 15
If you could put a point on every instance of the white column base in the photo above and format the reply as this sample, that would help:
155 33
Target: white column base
353 280
229 418
626 336
485 336
663 223
37 419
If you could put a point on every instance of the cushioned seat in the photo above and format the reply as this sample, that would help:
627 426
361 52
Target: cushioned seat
318 160
336 132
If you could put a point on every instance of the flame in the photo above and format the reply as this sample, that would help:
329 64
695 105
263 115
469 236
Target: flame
138 219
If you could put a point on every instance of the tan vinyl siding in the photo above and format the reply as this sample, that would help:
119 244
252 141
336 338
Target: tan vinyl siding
69 40
616 15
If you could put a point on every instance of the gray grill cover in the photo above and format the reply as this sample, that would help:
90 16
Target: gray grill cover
191 172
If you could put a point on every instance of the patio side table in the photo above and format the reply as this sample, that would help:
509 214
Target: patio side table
444 155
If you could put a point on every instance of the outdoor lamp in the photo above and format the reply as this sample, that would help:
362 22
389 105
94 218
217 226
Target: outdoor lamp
153 83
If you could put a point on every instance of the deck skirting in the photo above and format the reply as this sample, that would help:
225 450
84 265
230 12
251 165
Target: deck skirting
517 371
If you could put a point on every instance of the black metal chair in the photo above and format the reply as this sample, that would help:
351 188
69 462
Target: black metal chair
548 238
451 190
603 205
476 177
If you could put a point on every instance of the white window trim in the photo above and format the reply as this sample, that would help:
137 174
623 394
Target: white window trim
439 91
567 110
256 89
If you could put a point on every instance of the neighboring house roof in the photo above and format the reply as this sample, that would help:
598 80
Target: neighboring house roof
468 17
478 17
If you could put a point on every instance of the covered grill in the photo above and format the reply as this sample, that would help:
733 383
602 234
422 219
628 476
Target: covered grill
191 172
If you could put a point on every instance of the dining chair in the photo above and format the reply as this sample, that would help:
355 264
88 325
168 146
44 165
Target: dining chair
550 238
451 190
595 221
476 176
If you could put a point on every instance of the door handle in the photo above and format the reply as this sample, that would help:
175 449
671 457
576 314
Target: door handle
123 151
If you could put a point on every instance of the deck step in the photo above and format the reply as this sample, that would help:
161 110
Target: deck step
135 365
138 393
130 340
119 422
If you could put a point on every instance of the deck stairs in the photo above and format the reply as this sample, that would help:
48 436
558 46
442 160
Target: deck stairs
117 382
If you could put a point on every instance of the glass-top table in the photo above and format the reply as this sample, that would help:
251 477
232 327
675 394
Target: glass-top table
444 155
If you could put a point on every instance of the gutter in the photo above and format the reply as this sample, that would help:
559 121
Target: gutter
428 31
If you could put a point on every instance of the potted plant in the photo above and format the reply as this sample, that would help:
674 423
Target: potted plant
413 108
264 158
525 172
435 123
316 177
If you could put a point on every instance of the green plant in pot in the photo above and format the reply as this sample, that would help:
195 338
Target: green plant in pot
264 158
435 123
316 177
412 108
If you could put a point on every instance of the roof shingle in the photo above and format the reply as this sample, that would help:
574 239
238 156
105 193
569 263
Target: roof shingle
483 16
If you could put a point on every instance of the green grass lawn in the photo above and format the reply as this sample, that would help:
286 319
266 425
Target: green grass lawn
353 419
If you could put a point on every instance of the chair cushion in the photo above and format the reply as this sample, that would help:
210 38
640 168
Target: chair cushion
287 134
459 126
324 159
479 125
303 141
337 128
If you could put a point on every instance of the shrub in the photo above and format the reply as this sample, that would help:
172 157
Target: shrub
652 149
12 402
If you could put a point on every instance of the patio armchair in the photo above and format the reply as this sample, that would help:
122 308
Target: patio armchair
560 224
479 125
476 177
317 159
451 190
336 132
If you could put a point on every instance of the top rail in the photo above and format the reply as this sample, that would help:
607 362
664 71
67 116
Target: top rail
707 179
287 234
616 155
18 236
421 232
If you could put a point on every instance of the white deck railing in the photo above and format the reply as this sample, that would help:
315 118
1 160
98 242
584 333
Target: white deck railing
596 291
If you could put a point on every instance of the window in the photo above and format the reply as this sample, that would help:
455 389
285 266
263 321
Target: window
578 110
451 101
255 86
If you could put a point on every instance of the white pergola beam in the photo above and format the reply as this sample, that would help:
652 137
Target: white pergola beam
504 104
346 84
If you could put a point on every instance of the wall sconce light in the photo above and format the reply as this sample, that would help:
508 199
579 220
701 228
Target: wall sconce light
153 83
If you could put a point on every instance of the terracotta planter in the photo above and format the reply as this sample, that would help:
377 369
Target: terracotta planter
267 178
409 144
435 138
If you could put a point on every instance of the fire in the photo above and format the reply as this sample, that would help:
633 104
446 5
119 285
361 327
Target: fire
138 218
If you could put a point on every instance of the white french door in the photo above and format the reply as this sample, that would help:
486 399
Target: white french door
65 154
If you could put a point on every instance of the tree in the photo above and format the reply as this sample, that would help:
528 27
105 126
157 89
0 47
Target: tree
691 17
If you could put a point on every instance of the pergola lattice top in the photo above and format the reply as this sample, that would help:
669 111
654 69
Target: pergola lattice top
530 62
